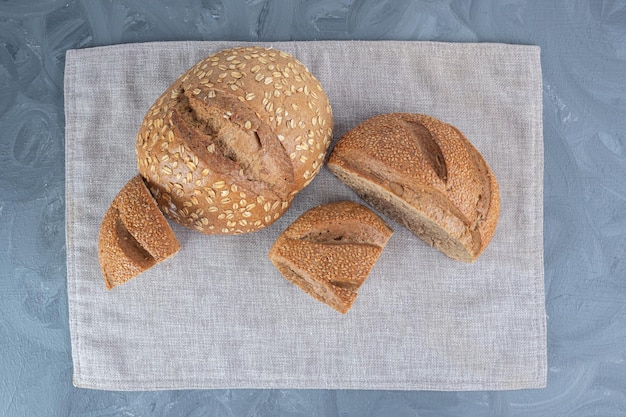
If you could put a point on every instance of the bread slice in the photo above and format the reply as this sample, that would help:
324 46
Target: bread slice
425 174
134 235
330 250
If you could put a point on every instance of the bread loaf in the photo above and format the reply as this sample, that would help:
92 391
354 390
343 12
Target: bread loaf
329 251
424 174
134 235
229 144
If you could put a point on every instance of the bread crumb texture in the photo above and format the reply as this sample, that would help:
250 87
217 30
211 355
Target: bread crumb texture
329 251
425 174
229 144
134 235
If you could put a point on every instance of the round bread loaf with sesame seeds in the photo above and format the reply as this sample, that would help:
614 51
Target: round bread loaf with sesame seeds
425 174
228 145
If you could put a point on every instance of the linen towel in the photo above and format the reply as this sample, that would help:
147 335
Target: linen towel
219 315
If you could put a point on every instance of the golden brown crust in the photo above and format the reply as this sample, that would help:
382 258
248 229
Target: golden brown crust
330 250
134 235
227 146
422 163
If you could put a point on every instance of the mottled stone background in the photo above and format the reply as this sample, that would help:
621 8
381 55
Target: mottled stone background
584 62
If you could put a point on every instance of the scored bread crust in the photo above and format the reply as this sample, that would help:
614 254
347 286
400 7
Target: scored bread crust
228 145
329 251
134 235
424 174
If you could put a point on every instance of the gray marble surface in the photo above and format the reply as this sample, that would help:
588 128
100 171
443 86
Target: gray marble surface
584 66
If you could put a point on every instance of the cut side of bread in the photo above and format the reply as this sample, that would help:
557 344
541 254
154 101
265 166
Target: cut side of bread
424 174
329 251
453 239
134 235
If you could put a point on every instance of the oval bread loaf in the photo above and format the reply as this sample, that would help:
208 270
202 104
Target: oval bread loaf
424 174
228 145
329 251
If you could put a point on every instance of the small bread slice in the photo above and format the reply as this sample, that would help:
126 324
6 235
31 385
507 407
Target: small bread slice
424 174
134 235
330 250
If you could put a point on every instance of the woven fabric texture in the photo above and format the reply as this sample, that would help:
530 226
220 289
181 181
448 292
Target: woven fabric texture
219 315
